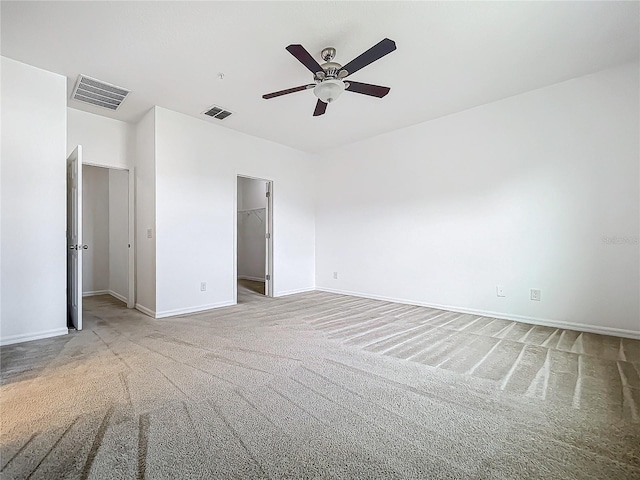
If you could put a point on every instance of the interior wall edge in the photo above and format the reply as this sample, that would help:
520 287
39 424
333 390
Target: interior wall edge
94 293
293 292
200 308
145 310
116 295
33 336
248 277
580 327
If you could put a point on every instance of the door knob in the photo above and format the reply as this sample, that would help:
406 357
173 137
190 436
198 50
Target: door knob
85 247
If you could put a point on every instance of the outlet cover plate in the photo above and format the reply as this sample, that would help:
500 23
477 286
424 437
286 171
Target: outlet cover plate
535 295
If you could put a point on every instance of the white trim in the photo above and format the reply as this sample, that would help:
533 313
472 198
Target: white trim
297 290
145 310
247 277
201 308
95 292
104 165
27 337
581 327
122 298
234 287
131 234
269 285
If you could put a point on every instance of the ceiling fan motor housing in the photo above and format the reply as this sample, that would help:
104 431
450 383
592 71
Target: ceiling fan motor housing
331 69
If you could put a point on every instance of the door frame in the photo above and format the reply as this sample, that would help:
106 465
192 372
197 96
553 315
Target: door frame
131 297
268 284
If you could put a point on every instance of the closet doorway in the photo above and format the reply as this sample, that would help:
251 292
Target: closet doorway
106 225
254 237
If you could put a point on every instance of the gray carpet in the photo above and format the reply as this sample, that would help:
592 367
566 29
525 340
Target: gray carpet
318 385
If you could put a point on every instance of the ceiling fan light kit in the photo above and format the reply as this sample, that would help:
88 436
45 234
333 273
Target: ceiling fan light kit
329 90
328 77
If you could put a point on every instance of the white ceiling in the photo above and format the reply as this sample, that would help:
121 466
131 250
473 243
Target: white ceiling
450 56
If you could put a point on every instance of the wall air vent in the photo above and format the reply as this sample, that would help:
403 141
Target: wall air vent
96 92
217 112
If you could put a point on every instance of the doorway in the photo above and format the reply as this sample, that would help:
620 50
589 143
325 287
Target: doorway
100 232
105 231
254 238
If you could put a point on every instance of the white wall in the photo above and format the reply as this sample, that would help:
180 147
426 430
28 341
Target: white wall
197 164
95 229
524 193
145 213
109 143
251 193
252 203
105 141
1 152
119 233
33 245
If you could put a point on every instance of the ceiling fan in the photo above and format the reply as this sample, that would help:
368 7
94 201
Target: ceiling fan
329 77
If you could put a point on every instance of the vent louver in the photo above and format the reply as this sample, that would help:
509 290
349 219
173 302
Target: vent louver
96 92
217 112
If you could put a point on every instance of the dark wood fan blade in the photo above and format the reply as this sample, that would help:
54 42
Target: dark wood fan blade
284 92
376 52
304 58
321 107
367 89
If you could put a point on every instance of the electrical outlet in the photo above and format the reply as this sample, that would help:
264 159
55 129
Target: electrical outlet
335 275
535 295
203 286
500 291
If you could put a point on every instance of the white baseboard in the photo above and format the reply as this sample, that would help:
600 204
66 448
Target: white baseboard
581 327
247 277
27 337
95 292
293 292
145 310
200 308
122 298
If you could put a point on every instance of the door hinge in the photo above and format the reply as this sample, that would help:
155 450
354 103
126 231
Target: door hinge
268 194
268 277
268 236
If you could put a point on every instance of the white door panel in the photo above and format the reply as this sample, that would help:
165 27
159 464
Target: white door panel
74 237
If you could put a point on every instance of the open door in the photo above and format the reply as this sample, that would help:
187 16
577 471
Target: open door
268 222
74 238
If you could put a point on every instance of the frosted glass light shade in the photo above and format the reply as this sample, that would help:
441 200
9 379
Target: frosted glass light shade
329 90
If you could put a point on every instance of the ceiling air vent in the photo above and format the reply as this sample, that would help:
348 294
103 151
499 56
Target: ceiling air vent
96 92
217 112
